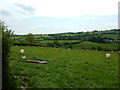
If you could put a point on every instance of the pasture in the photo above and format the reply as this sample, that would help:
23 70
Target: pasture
60 41
103 46
66 68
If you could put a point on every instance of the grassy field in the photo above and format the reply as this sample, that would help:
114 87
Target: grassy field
66 68
90 45
114 36
60 41
109 34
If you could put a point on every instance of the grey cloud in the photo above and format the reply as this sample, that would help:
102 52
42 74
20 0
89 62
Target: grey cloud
25 7
5 13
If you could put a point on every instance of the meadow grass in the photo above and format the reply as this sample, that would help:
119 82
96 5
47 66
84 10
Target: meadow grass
66 68
90 45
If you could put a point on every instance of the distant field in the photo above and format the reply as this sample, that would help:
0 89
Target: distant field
90 45
114 36
66 68
60 41
109 33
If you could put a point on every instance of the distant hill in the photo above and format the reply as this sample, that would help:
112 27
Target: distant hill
107 34
94 40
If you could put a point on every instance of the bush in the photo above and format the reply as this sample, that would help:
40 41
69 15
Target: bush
56 42
93 48
70 46
99 48
6 45
50 44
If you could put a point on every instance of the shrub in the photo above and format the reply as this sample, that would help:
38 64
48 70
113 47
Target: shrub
50 44
6 45
99 48
70 46
56 42
93 48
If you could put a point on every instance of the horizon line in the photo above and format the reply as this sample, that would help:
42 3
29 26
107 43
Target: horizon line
61 32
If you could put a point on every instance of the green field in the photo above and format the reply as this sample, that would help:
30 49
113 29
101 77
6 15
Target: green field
114 36
103 46
60 41
66 68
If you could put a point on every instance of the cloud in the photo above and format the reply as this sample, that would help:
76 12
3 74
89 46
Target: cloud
39 27
47 16
5 12
25 7
110 25
61 8
75 8
11 9
97 26
91 18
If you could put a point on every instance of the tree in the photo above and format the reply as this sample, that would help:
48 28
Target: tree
70 46
56 42
30 39
5 36
99 48
93 48
50 44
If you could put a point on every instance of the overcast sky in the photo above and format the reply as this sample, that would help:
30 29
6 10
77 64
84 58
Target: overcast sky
56 16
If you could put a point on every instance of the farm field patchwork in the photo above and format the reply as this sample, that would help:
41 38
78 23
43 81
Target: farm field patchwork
114 36
103 46
66 68
60 41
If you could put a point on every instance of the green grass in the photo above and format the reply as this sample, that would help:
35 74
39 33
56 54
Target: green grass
110 34
65 69
114 36
60 41
90 45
